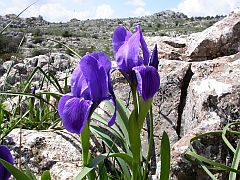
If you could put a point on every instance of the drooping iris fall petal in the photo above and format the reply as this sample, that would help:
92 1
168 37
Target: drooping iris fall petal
148 81
75 114
5 155
62 103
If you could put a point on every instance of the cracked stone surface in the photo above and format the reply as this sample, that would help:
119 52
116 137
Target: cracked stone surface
57 151
213 100
214 86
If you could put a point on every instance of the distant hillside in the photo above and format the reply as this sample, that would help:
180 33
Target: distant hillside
89 35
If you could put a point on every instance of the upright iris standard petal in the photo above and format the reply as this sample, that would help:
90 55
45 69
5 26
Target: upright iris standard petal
154 58
103 60
5 155
148 81
144 47
127 55
120 36
96 78
75 114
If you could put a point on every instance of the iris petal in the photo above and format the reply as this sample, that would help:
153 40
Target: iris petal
113 98
75 75
120 36
154 58
79 85
96 78
127 55
111 121
144 47
62 103
148 81
6 155
103 60
75 114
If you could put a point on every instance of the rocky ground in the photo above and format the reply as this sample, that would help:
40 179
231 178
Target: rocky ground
199 92
89 35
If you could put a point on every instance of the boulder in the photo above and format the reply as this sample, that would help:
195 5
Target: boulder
221 39
215 87
58 151
42 150
212 101
21 68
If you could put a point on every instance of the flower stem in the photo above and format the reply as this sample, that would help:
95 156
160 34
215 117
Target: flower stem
135 101
135 140
150 144
85 140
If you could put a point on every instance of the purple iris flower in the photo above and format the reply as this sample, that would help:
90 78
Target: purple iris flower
90 85
126 48
5 155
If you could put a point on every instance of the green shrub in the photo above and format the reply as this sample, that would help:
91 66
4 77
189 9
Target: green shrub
9 44
37 32
38 51
37 40
66 34
58 45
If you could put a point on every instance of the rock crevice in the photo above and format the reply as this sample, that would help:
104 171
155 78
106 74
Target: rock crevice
185 83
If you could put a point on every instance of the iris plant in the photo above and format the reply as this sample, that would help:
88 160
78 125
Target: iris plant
90 85
5 155
142 75
126 48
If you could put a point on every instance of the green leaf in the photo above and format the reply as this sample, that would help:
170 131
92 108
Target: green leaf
165 157
85 140
208 172
225 139
121 121
83 173
135 144
96 161
122 115
46 175
144 109
210 162
103 175
109 141
18 174
29 173
16 17
134 136
235 162
114 128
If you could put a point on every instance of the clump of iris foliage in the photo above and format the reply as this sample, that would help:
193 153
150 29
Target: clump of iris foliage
90 85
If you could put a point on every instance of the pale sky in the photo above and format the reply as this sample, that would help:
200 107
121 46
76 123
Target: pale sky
64 10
